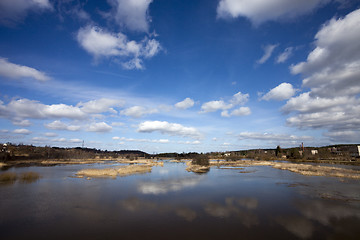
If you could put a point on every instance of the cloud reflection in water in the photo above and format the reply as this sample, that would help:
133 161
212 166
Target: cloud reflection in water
235 207
134 204
171 185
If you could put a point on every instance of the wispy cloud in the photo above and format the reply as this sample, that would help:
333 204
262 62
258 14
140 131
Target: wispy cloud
13 12
272 137
284 55
268 50
15 71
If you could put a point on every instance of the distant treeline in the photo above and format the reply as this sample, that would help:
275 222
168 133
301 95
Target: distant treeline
340 152
10 152
343 152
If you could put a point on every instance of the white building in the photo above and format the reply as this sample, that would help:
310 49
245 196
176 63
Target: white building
313 152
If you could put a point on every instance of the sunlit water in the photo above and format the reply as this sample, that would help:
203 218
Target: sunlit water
169 203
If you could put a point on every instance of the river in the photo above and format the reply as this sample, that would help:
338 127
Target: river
256 202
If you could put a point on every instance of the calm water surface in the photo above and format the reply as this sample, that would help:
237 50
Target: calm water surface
169 203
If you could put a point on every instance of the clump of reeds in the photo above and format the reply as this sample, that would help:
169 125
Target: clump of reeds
29 177
197 168
7 177
26 177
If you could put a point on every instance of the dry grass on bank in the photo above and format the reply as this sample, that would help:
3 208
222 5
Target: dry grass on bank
150 162
312 170
304 169
114 172
91 161
241 163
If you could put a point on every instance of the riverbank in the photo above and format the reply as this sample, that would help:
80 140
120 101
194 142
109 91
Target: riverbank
300 168
54 162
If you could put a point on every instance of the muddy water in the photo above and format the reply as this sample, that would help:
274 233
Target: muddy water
169 203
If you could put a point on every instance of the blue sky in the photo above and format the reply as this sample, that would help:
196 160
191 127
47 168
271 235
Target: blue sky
174 75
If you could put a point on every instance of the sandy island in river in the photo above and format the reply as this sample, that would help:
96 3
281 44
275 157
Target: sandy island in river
144 167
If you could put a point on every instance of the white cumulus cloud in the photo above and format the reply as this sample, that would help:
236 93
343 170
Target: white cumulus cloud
15 71
75 140
242 111
99 127
259 11
22 123
101 43
213 106
237 99
169 128
186 103
132 14
332 72
50 134
58 125
22 131
25 108
282 92
333 67
18 109
100 105
137 111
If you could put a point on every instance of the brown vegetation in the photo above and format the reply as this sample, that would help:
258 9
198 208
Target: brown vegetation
114 172
29 177
304 169
311 170
196 168
7 177
26 177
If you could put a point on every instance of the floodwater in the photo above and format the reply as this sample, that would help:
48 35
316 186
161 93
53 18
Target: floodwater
256 202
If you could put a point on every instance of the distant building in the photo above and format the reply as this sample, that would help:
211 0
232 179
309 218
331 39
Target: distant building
314 151
4 148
